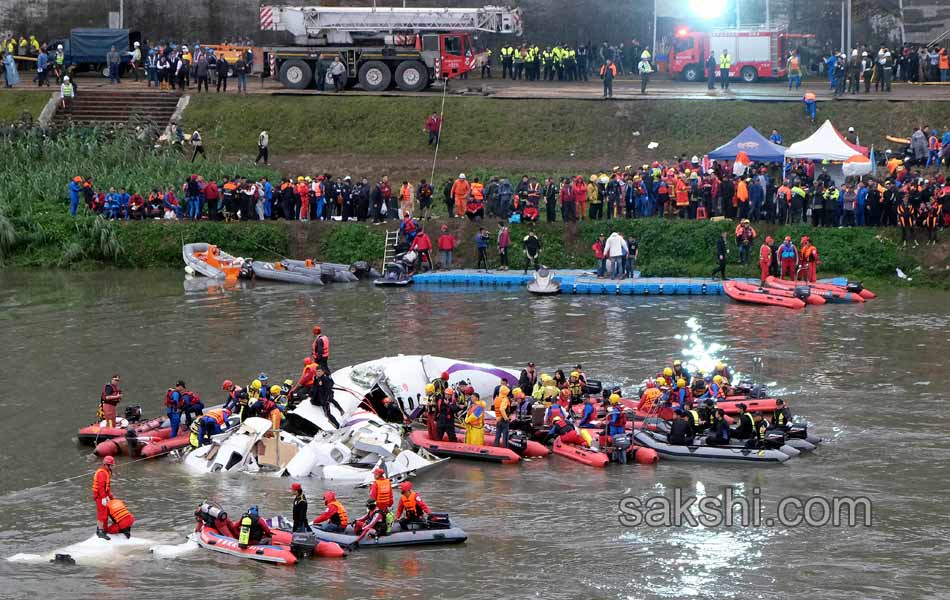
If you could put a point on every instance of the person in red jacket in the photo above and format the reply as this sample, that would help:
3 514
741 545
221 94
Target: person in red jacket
212 196
446 244
122 519
580 196
765 259
411 504
334 517
381 490
422 244
568 209
598 248
102 494
433 127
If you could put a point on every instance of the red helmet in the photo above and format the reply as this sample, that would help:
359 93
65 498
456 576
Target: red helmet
651 384
308 361
295 487
405 486
316 330
378 471
329 497
445 375
227 384
469 390
566 392
109 460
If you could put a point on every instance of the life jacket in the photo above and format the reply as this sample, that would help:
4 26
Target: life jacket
751 420
556 411
67 90
409 504
384 492
787 251
325 342
190 398
810 97
697 422
340 518
780 418
934 143
170 401
501 402
793 64
648 399
576 389
193 438
479 421
117 510
106 487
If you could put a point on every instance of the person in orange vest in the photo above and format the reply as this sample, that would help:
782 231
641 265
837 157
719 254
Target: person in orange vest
406 198
102 494
303 193
933 148
411 504
321 348
334 518
682 196
108 400
122 519
742 197
607 72
811 105
808 269
381 490
765 258
460 192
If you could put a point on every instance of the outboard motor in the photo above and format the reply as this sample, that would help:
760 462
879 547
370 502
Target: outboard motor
537 414
133 414
303 544
854 287
518 442
209 513
593 387
438 521
797 430
774 439
802 292
246 271
621 447
63 559
757 391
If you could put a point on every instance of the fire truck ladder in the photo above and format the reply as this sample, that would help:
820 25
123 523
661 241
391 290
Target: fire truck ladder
389 250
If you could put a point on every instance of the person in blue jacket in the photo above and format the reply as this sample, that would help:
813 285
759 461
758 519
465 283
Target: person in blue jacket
616 419
75 188
589 414
173 406
830 64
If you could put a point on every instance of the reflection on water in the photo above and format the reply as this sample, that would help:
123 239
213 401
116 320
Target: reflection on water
549 527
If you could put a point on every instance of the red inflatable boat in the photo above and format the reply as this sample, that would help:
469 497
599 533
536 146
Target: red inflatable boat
323 549
740 292
420 439
533 449
211 539
581 454
162 447
120 446
831 293
93 434
812 297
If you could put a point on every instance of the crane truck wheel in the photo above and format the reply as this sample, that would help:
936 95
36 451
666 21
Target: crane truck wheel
295 74
749 74
375 76
692 73
412 76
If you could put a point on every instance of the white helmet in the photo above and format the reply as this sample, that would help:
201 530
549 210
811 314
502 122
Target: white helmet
695 160
184 48
59 47
461 175
66 78
135 45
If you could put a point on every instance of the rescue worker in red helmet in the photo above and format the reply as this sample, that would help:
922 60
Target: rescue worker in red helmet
300 508
334 519
321 348
411 507
440 383
381 490
109 400
102 494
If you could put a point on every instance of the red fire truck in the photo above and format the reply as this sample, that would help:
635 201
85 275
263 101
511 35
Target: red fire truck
757 53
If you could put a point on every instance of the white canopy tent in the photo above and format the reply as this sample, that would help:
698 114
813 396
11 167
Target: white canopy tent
824 144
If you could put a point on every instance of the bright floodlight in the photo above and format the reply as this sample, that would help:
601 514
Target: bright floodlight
708 9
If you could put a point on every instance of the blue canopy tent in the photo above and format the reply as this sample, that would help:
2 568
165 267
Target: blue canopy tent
753 143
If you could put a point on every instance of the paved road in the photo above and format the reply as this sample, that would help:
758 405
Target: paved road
624 89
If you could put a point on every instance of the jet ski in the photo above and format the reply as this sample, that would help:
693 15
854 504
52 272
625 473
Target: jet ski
398 273
544 283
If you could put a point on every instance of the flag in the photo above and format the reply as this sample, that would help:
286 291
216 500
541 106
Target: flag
873 163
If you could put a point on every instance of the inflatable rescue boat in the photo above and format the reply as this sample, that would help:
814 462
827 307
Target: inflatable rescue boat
740 292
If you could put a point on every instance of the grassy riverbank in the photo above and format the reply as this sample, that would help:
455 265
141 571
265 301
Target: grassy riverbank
14 104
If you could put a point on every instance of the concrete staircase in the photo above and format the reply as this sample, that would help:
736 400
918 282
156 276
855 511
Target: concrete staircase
108 106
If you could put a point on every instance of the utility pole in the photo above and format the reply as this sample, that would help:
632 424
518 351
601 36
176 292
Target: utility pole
768 20
738 14
121 14
655 50
849 25
843 48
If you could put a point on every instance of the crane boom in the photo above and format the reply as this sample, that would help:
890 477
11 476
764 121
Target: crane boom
345 25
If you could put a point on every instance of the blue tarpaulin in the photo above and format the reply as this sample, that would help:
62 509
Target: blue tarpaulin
753 143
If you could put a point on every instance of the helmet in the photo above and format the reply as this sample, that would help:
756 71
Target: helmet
717 379
274 390
370 503
566 392
59 46
661 381
575 374
469 390
503 391
668 372
65 77
461 175
227 384
545 377
295 487
300 178
308 361
650 384
253 511
450 391
329 496
444 376
263 377
378 471
289 383
681 382
405 486
677 363
256 384
720 366
614 398
109 460
316 330
136 45
430 389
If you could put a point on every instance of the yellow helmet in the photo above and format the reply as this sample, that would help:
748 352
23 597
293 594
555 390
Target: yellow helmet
289 382
681 382
275 390
575 374
677 363
660 381
430 389
517 393
545 377
614 398
717 379
593 178
720 366
668 372
300 178
503 390
256 384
